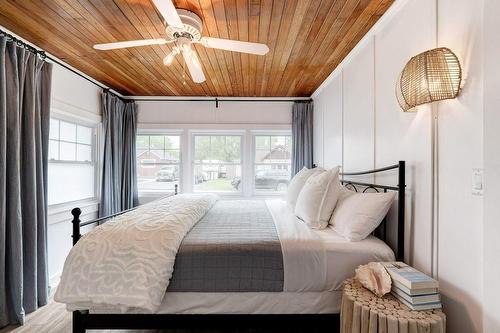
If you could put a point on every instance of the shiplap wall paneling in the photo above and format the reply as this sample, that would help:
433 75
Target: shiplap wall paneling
333 123
359 116
460 151
406 135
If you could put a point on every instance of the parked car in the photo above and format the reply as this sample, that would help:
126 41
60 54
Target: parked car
268 180
168 173
272 180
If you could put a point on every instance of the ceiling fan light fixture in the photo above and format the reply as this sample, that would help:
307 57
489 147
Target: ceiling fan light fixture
186 48
167 61
196 61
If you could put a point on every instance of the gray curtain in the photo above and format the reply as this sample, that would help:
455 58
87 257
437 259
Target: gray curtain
302 134
25 83
119 175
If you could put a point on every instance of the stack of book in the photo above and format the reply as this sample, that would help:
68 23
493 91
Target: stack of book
413 288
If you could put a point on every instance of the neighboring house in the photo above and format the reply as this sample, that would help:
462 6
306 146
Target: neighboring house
149 163
279 158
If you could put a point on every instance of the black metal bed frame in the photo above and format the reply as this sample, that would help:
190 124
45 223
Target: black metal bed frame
83 319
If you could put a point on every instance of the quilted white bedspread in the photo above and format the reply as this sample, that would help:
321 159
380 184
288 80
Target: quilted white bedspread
128 261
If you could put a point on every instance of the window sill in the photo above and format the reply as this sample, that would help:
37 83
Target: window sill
154 194
62 212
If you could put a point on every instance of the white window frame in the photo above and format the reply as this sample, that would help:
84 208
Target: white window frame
96 129
254 134
242 134
164 132
93 144
246 131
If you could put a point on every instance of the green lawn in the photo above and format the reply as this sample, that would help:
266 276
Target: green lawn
216 185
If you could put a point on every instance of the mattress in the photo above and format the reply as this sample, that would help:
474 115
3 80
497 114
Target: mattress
246 303
315 264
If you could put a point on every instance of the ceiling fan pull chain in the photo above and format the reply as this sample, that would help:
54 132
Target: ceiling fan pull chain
183 71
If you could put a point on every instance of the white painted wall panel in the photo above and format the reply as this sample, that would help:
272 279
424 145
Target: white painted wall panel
491 230
332 106
165 112
359 116
406 135
410 27
461 150
74 90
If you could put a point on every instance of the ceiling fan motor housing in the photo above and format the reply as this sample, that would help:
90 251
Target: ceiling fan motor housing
192 26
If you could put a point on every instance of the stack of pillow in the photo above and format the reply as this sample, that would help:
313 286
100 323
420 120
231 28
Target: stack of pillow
317 198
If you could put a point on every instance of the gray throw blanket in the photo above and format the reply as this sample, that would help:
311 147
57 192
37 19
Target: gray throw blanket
233 248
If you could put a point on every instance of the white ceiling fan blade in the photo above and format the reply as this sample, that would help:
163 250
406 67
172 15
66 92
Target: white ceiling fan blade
194 66
235 45
169 13
130 43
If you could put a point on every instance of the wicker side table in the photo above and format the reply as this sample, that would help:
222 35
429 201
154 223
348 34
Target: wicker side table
362 311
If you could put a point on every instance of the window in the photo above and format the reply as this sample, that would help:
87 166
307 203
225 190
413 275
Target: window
217 163
272 162
72 167
158 163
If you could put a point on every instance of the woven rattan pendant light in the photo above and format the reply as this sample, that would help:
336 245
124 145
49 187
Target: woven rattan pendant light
430 76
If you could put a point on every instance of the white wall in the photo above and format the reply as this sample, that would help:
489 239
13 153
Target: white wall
203 112
460 26
358 103
77 98
358 129
491 137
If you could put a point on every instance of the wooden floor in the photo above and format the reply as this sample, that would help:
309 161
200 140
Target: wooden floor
53 318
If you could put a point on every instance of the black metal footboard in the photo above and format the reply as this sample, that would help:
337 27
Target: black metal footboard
77 224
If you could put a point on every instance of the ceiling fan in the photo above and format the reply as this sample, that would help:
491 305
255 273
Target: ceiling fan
184 29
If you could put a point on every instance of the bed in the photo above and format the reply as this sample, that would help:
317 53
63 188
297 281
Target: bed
244 263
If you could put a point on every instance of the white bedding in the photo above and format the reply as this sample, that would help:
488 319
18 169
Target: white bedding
320 260
128 262
315 264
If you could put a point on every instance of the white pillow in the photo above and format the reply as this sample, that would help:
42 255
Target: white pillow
358 214
318 197
296 185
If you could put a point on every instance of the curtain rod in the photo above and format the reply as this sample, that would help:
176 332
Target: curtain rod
214 99
217 100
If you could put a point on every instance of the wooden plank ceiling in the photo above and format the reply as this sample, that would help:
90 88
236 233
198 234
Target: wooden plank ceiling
307 40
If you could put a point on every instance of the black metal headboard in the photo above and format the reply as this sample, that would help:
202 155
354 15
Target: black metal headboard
381 231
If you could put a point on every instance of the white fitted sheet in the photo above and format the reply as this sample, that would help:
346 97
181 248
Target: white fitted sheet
316 262
320 260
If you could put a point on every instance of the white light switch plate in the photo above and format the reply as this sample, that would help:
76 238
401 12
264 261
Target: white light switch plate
477 182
